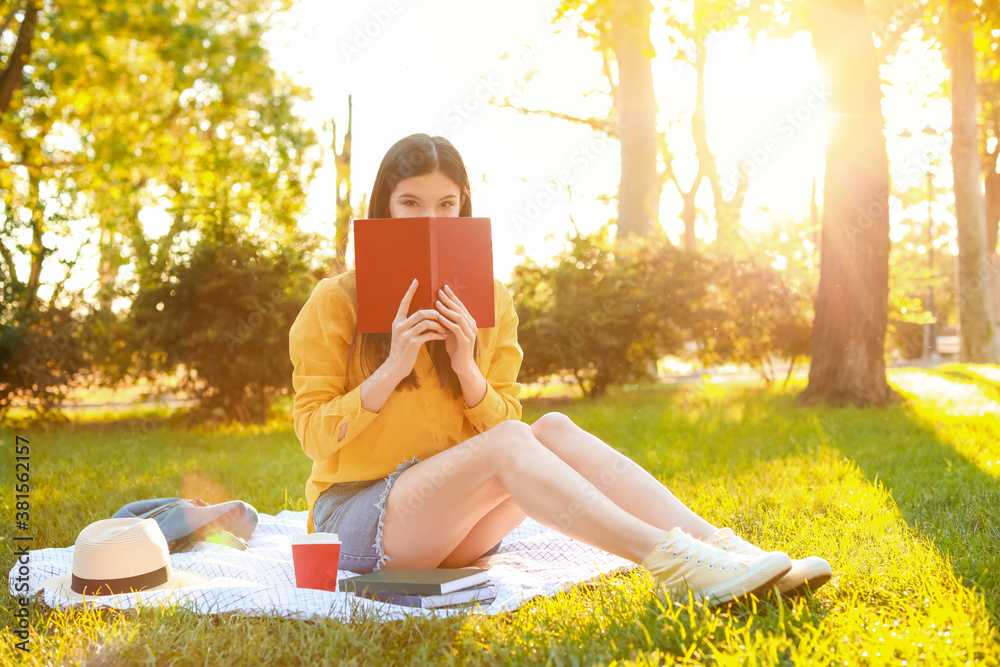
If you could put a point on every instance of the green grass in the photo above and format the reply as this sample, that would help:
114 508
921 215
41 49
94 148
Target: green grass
905 502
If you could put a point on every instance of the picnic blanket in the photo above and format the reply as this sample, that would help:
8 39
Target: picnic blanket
532 561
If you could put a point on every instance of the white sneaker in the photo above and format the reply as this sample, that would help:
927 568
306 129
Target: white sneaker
680 564
806 573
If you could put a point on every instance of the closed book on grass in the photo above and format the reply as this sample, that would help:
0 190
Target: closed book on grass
390 252
479 594
415 581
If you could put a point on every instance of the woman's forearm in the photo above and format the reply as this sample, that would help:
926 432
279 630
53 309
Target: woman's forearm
473 386
377 387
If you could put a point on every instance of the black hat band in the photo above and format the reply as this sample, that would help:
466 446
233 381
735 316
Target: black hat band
125 585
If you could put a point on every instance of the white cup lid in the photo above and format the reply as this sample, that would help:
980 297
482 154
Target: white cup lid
316 538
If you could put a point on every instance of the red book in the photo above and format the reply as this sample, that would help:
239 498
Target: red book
390 252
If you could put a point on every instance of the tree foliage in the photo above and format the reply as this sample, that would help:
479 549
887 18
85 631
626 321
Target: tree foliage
172 105
136 132
620 31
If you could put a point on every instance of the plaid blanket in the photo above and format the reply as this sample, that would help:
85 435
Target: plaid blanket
533 561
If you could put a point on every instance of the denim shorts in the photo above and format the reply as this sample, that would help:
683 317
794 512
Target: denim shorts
355 511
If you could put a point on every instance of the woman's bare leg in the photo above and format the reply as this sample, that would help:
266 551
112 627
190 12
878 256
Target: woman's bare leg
434 505
501 520
618 477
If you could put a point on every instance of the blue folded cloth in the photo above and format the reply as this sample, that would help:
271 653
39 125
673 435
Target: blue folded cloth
183 521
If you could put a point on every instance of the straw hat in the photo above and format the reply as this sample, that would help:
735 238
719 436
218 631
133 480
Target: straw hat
120 556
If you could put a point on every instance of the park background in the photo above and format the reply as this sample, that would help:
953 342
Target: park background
680 192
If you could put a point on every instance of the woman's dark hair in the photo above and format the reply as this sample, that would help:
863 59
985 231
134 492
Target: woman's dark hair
415 155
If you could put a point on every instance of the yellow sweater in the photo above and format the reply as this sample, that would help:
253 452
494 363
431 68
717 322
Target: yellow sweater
347 442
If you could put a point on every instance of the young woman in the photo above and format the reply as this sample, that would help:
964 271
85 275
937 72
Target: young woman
420 459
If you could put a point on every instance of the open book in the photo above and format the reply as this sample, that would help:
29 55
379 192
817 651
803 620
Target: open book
390 252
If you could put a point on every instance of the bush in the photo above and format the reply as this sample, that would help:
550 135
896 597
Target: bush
604 313
907 338
753 313
224 316
40 353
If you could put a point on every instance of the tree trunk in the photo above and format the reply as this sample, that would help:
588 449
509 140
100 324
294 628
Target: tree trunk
342 160
107 271
992 210
639 188
37 248
992 227
814 224
727 213
991 164
975 269
689 214
9 273
848 339
12 75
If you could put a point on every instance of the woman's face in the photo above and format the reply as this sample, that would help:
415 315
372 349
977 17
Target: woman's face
432 195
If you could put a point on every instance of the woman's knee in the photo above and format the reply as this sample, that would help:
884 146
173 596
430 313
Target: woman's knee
510 443
550 424
508 431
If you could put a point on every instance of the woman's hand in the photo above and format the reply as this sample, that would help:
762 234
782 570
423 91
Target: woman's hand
461 340
409 333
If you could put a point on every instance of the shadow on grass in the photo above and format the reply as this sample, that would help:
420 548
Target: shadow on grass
694 439
939 492
615 395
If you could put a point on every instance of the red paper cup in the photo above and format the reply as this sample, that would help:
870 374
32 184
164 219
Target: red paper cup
316 556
